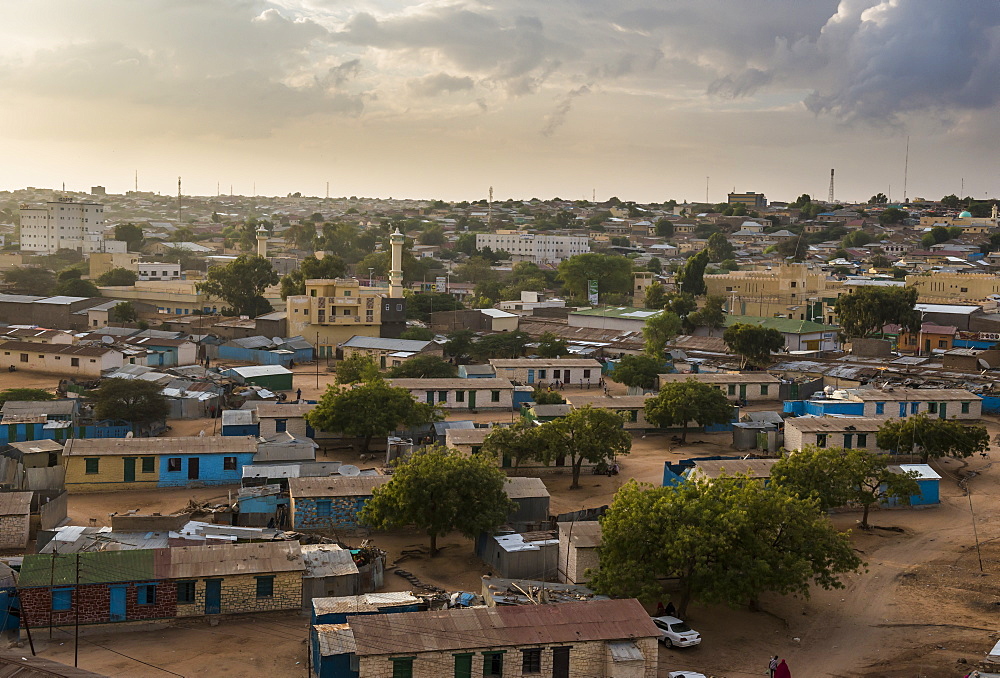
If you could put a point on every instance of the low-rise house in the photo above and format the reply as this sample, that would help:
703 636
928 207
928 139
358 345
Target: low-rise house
166 583
520 555
330 571
500 592
927 480
103 465
165 352
275 418
532 499
630 407
800 335
847 432
548 370
713 469
578 544
330 503
240 423
469 441
457 394
79 360
272 377
284 447
388 352
337 610
901 402
15 520
597 639
748 386
476 371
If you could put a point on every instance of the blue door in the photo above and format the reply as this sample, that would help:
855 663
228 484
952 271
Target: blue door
117 607
213 596
531 376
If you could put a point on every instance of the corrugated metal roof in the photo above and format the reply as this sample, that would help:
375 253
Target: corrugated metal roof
335 639
327 560
31 407
755 468
15 503
154 446
366 602
95 568
412 632
384 344
544 363
20 665
267 410
336 486
835 424
525 488
625 651
466 436
447 384
213 561
239 417
259 370
722 378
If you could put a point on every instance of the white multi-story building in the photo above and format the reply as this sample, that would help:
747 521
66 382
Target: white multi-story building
159 270
63 224
538 249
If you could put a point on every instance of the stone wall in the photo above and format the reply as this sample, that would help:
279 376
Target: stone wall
239 595
343 513
95 604
14 531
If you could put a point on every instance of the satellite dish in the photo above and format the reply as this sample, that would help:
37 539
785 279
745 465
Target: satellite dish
129 435
107 340
277 341
349 470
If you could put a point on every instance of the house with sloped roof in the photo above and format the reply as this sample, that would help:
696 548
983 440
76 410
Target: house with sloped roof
388 352
800 335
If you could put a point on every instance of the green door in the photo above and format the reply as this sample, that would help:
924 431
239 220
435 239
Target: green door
129 469
472 400
943 410
743 391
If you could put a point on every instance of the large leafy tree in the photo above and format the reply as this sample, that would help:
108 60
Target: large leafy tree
753 343
356 367
459 343
500 345
639 371
835 477
241 284
691 276
420 306
613 274
28 394
682 402
585 434
655 297
34 281
140 402
932 437
522 441
551 346
311 268
302 235
727 541
124 312
438 491
131 234
718 248
712 315
117 277
370 409
424 367
658 330
867 310
77 287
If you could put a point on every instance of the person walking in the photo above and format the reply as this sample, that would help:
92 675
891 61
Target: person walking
772 665
782 671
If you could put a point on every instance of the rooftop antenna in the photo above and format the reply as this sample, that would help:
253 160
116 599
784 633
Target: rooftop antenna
178 201
830 200
906 167
489 210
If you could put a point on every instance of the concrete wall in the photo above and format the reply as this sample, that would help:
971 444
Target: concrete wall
211 470
452 402
953 408
110 475
52 363
14 531
796 440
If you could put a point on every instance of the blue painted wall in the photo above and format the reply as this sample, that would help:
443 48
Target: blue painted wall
821 408
19 433
247 430
267 504
210 470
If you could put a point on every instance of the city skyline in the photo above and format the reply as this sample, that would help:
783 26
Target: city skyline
646 101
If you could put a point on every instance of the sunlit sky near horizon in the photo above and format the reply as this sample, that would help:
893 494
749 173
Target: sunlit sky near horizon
643 99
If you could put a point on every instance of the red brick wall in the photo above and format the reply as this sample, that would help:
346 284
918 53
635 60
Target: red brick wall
95 602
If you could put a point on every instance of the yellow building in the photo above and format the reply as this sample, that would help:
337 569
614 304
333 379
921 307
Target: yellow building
179 297
102 262
964 287
795 291
337 310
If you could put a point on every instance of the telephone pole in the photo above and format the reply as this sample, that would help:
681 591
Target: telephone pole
830 199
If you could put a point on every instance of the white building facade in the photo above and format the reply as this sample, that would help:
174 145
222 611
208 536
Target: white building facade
63 224
538 249
159 270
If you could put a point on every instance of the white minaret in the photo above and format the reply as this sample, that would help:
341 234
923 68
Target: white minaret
262 242
396 272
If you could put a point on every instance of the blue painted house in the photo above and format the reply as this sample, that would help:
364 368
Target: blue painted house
927 480
332 502
240 423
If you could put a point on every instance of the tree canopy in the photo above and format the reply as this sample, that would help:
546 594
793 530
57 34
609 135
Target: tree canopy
371 409
585 434
440 491
712 315
420 306
638 371
424 367
117 277
753 343
500 345
25 394
932 437
516 443
719 248
655 297
727 541
459 343
140 402
33 281
892 215
658 330
76 287
312 268
691 276
681 402
613 274
551 346
357 367
867 310
131 234
124 312
241 284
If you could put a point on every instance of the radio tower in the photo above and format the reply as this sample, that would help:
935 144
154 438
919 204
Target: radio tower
489 211
830 199
178 201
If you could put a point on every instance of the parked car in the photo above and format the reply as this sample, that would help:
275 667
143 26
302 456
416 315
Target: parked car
685 674
675 633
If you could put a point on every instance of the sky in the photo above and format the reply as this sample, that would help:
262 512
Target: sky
647 100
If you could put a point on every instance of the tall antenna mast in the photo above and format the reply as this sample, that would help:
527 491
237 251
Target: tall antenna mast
489 210
178 201
706 190
328 190
830 199
137 181
906 166
593 195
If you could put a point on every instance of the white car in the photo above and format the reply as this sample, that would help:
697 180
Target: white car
685 674
675 633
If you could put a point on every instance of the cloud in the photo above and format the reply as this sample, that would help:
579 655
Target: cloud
439 83
555 120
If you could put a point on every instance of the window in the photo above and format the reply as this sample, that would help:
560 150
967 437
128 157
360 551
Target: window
145 594
229 463
820 440
914 408
185 592
492 663
541 374
74 362
149 464
402 667
932 408
731 389
463 666
531 660
442 396
265 587
942 343
763 389
459 396
965 408
879 408
494 396
62 600
174 464
863 440
24 357
323 508
93 465
586 374
848 441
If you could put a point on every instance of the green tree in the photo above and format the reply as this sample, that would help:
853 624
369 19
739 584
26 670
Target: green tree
459 343
951 201
878 199
680 304
856 239
892 215
658 330
75 287
420 306
867 310
801 201
25 394
544 396
932 437
417 334
795 249
728 541
516 443
551 346
681 402
638 371
753 343
880 261
241 284
432 235
712 315
357 367
124 312
117 277
718 248
501 345
371 409
613 274
424 367
654 265
312 268
655 297
32 281
440 491
140 402
131 234
585 434
665 228
301 235
691 276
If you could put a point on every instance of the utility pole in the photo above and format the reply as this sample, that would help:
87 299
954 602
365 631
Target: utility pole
830 198
706 190
76 606
178 201
317 361
328 190
906 167
137 181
